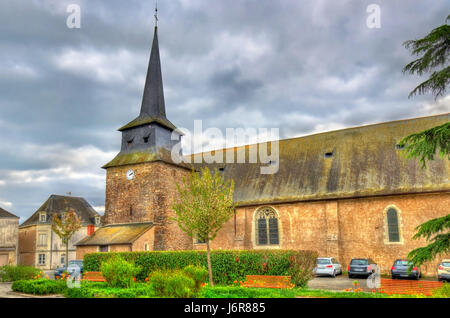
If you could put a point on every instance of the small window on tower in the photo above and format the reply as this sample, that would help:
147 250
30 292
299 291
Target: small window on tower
131 210
146 138
130 141
329 154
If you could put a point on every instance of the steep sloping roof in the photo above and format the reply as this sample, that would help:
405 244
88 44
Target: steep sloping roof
365 162
116 234
6 214
153 108
60 204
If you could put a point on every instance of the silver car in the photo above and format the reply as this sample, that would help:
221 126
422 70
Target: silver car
328 266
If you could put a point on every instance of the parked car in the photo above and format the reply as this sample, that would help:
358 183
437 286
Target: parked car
361 267
328 266
72 268
444 270
400 269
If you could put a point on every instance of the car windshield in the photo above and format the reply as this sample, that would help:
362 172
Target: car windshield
446 264
402 263
323 261
359 262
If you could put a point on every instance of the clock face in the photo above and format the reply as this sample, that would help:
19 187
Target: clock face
130 174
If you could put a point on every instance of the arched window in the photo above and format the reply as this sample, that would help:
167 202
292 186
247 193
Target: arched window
392 222
267 227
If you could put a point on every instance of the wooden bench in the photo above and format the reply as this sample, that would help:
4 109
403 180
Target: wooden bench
396 286
93 277
263 281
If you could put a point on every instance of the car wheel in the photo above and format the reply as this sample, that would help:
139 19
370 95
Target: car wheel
334 274
350 276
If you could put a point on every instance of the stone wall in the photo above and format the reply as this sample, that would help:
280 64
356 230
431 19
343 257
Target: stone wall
146 239
343 229
83 250
148 197
9 235
27 245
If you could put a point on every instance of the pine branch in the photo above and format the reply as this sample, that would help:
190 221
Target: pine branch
433 51
424 145
439 246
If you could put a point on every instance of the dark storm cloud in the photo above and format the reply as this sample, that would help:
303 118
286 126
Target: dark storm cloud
302 66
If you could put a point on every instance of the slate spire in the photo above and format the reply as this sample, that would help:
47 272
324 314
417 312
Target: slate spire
153 100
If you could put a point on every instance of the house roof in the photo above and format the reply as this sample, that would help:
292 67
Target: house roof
6 214
363 161
60 204
114 234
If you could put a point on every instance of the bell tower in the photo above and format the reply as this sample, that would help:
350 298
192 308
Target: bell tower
141 180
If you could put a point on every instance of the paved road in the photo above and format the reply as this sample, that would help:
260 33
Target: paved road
340 283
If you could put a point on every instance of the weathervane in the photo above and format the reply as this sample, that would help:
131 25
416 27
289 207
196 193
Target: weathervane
156 13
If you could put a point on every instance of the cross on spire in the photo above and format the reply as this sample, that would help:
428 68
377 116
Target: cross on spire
156 13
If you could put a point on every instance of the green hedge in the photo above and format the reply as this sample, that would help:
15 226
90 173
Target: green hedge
101 290
39 286
241 292
228 266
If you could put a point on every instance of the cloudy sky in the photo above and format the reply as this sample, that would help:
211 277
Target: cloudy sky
302 66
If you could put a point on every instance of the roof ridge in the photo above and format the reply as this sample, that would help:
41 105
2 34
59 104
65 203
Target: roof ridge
322 133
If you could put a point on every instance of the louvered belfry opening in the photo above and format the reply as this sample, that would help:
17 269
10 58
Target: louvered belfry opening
267 227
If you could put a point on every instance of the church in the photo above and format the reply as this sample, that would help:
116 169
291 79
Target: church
346 193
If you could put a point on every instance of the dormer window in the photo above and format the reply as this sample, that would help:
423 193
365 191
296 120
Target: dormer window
43 217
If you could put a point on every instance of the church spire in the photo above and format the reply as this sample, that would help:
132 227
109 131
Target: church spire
153 100
153 108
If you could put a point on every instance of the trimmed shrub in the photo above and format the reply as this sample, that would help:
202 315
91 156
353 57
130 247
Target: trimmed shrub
228 266
101 290
173 284
118 272
13 273
39 286
198 274
242 292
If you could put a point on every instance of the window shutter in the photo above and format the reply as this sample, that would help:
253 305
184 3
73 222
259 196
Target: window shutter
273 231
262 231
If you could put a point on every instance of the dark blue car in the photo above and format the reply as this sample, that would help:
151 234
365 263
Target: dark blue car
73 266
400 269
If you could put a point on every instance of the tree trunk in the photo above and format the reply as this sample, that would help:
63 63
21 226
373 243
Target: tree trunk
67 255
211 283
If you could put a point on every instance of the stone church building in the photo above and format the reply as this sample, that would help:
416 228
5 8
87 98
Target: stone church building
346 193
